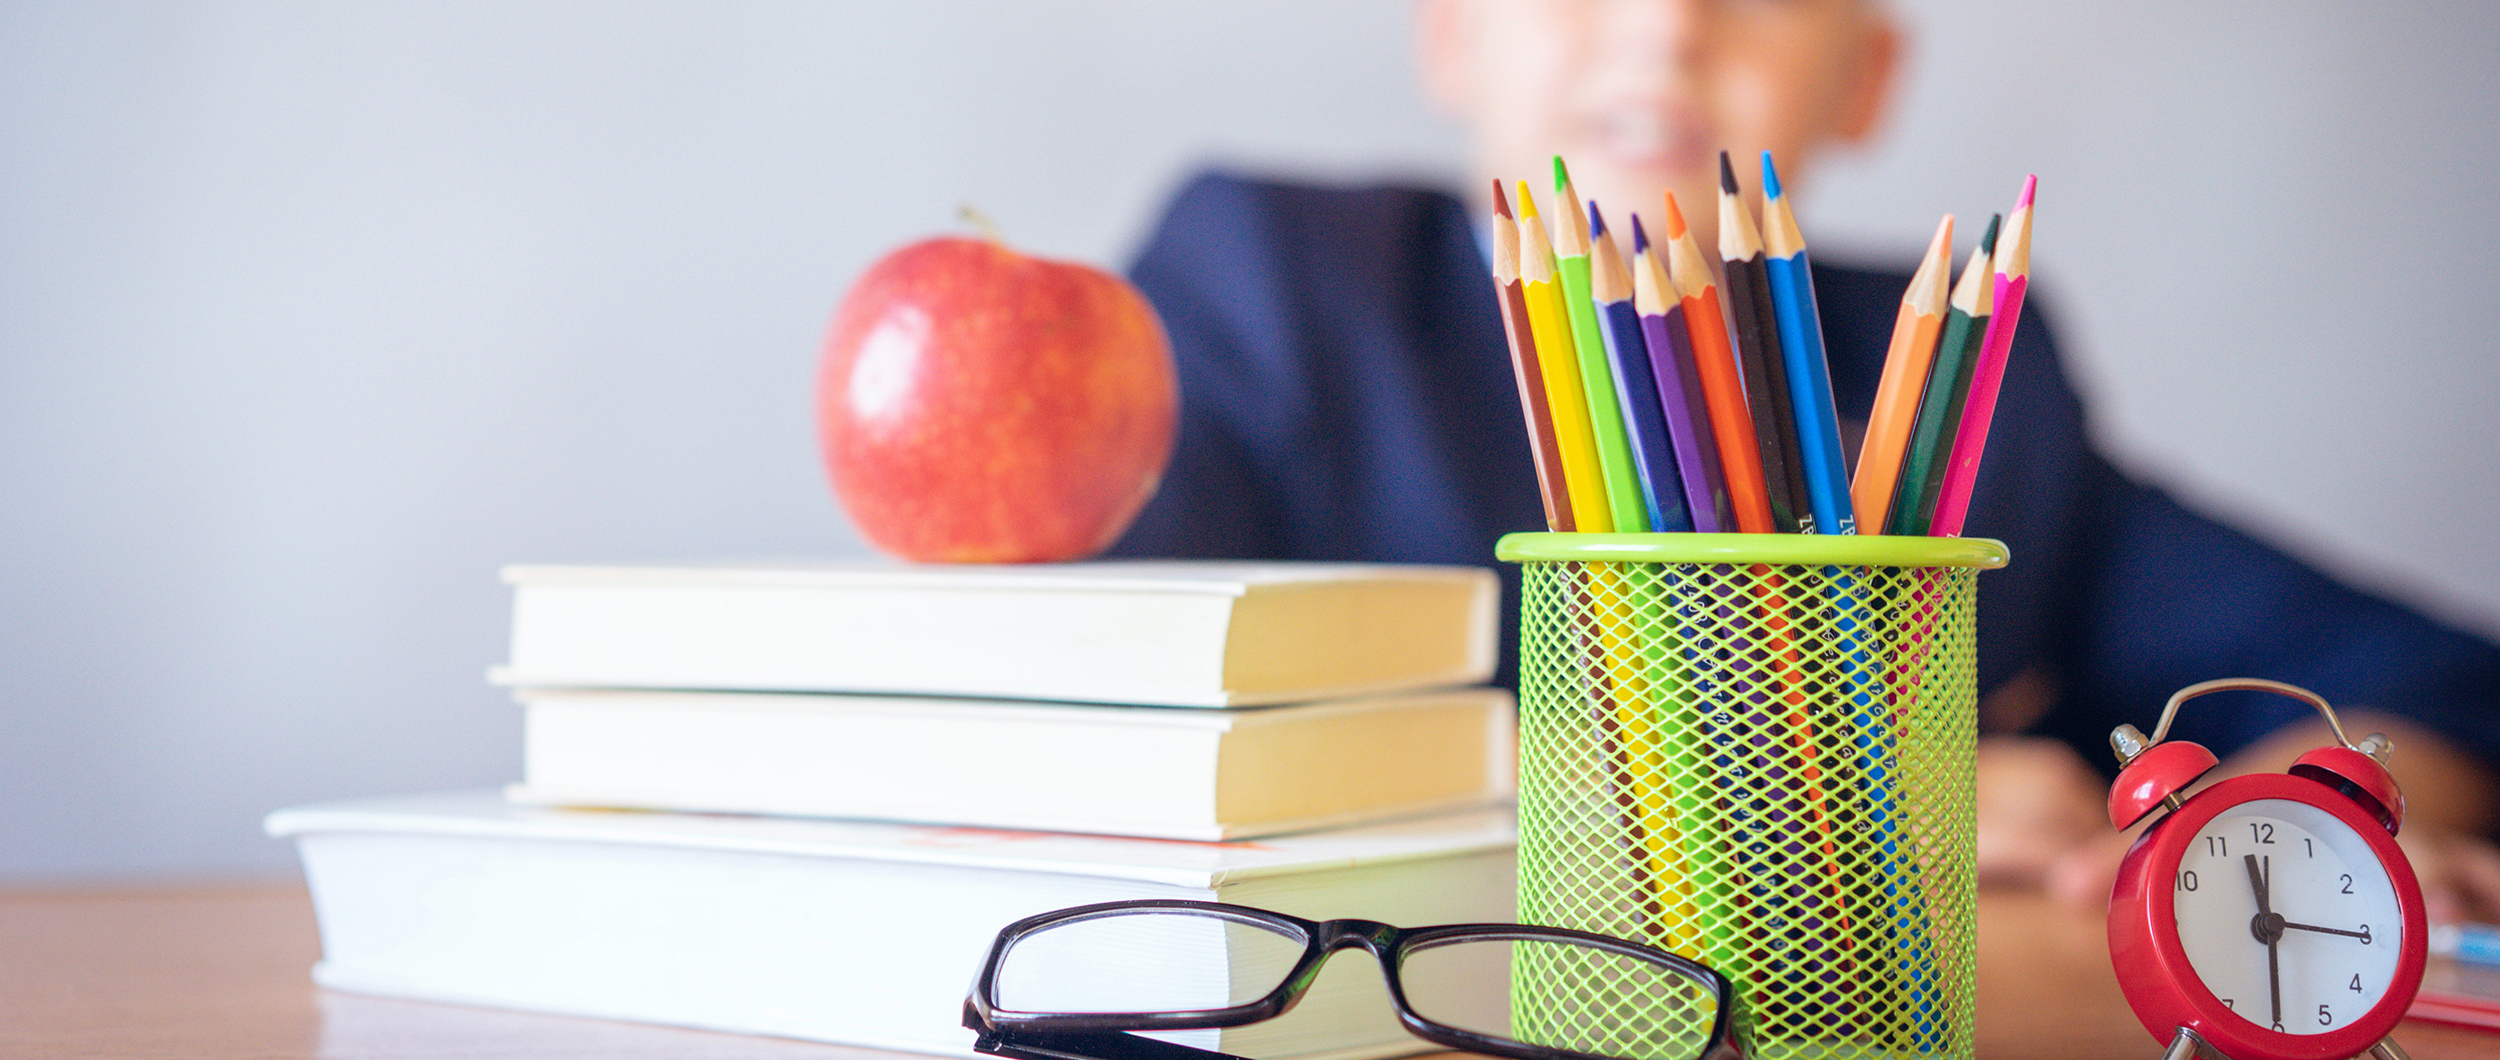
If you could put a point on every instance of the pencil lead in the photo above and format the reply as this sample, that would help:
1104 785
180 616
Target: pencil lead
2029 183
1527 202
1988 242
1770 178
1501 202
1562 177
1675 218
1640 239
1727 175
1597 221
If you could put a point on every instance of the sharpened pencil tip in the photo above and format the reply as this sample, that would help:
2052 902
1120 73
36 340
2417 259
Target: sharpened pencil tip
1640 239
1675 218
1501 202
1988 242
1727 175
2030 183
1770 178
1597 221
1527 202
1562 177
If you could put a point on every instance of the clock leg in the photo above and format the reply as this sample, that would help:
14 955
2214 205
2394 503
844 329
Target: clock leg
2186 1046
2387 1049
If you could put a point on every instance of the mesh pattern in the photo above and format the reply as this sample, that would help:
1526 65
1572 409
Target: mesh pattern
1768 769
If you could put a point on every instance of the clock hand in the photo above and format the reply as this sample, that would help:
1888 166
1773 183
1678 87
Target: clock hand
2363 935
2274 979
2258 926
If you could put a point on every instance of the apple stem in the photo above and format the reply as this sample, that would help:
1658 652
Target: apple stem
981 221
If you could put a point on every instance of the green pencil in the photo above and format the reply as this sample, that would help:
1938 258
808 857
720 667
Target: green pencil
1948 386
1597 378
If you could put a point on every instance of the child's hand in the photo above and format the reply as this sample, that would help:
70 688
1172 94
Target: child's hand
2038 802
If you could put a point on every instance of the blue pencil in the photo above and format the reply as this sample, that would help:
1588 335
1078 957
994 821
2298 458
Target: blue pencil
1636 390
1809 376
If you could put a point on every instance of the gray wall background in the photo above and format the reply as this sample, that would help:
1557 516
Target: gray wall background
313 315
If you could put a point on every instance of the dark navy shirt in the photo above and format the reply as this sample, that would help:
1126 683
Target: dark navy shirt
1346 394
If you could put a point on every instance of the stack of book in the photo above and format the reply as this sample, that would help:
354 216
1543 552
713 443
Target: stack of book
840 781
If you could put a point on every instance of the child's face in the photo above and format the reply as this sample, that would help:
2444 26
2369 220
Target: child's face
1641 95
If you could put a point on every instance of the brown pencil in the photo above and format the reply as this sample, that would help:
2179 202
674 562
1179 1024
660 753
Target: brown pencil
1523 364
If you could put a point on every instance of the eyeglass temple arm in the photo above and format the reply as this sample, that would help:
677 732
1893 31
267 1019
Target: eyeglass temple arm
1088 1045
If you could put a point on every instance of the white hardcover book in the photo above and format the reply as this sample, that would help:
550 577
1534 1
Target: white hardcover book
1172 773
851 932
1166 633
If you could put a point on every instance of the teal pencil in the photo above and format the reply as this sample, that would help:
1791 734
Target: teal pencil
1948 386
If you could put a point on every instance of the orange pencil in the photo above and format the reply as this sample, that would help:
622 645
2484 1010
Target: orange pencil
1722 386
1523 365
1905 378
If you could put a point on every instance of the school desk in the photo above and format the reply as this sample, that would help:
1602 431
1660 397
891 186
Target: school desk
221 973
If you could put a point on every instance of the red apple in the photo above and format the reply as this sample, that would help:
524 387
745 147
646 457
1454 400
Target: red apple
981 406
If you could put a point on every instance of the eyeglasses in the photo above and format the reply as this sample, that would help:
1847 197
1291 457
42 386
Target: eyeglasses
1072 984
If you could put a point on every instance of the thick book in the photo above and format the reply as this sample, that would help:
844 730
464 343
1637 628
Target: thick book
1165 772
1175 633
867 934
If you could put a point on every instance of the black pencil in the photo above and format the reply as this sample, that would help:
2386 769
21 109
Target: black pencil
1756 335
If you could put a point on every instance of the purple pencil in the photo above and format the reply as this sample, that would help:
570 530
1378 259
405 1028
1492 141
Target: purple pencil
1679 388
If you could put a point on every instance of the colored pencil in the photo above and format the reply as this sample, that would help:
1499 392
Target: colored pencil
1758 348
1665 324
1948 386
2013 278
1722 385
1614 447
1906 363
1664 494
1533 406
1809 376
1665 275
1549 324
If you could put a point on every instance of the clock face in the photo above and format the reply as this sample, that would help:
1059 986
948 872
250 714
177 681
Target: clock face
2287 916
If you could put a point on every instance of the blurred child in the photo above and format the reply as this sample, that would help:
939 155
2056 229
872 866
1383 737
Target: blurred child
1347 395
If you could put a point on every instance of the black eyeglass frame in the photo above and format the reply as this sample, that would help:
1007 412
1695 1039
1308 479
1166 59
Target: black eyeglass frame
1101 1035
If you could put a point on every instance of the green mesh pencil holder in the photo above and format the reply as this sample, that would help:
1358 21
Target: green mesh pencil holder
1755 750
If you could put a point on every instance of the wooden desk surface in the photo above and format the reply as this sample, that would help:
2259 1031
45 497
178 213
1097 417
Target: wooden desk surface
222 974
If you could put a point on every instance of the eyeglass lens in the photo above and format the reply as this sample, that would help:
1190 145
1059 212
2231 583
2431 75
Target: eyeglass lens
1561 995
1541 992
1145 962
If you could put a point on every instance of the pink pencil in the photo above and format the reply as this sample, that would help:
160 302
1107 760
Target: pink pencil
2013 276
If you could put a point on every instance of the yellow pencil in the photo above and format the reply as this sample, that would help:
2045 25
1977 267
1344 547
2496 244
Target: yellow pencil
1549 322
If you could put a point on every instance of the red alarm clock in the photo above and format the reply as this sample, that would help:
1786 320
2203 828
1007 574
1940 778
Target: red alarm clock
2270 916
